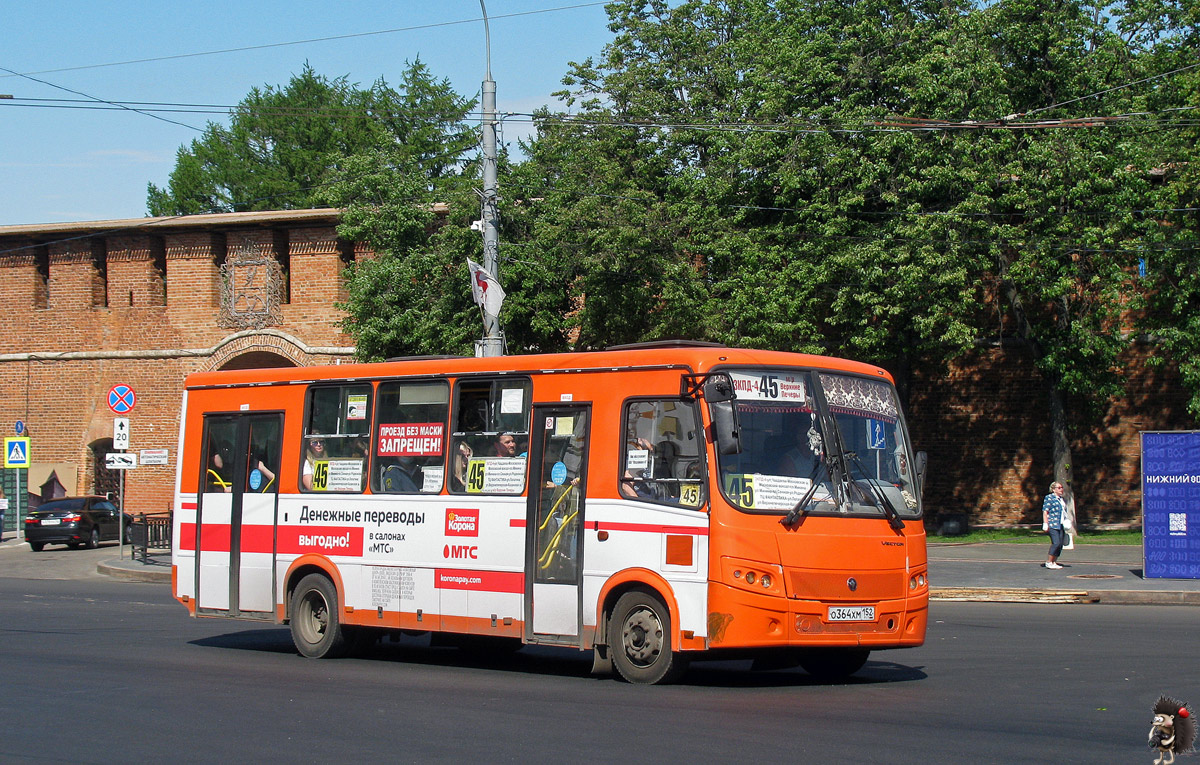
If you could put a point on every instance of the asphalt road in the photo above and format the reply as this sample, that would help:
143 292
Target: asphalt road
94 670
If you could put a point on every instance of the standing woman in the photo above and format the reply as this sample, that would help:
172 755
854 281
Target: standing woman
1053 508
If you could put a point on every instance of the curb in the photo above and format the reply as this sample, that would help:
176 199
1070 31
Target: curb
1098 597
1145 598
121 570
1008 595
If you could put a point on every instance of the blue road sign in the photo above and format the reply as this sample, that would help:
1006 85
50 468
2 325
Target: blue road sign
20 427
16 452
876 435
121 399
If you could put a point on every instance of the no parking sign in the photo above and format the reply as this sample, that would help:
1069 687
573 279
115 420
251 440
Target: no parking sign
121 398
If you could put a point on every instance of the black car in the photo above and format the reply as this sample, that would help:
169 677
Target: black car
75 522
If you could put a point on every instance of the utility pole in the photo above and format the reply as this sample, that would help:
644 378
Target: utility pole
492 343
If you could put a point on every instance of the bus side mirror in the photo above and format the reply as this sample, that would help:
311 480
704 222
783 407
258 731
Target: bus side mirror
718 388
922 464
726 433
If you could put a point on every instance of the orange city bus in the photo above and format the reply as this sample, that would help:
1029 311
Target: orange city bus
652 503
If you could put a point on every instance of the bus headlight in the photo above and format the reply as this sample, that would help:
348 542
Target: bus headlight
763 578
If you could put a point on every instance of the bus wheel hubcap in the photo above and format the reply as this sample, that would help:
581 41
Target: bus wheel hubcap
642 636
317 617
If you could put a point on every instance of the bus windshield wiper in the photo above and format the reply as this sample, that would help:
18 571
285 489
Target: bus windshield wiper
880 498
797 513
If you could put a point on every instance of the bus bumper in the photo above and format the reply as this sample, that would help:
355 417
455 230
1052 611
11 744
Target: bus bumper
739 619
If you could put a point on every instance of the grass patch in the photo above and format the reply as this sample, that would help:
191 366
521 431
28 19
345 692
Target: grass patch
1116 537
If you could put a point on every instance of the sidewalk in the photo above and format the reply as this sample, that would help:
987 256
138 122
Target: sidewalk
987 571
157 567
994 571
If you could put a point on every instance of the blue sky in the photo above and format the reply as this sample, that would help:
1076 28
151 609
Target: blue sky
71 164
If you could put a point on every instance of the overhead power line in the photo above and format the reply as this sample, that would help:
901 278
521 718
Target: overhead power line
113 104
1104 92
893 124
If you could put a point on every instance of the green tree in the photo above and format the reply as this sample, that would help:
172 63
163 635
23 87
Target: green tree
414 296
283 144
1165 34
893 180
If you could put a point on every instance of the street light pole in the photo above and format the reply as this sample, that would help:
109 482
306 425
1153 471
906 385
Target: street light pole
493 342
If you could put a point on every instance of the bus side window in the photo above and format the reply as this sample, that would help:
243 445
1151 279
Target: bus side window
410 437
663 452
337 431
489 443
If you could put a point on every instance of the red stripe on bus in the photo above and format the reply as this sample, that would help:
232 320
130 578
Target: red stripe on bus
187 536
700 531
214 537
329 540
188 505
517 523
293 540
258 539
478 581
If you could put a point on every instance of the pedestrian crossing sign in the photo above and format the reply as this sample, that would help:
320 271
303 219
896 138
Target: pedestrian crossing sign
16 452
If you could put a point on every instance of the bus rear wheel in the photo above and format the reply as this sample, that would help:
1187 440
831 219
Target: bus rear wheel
833 663
316 629
639 637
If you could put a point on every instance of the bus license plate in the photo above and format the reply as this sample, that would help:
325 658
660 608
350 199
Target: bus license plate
50 522
851 613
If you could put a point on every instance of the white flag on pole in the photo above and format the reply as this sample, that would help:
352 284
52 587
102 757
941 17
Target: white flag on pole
485 289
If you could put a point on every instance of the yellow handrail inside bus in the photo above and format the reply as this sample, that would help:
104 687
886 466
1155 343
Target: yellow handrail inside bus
544 561
557 502
217 479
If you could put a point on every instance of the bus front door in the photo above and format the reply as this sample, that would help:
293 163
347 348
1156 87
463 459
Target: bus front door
558 443
236 515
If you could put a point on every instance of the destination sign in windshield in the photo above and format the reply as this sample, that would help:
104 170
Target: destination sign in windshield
770 385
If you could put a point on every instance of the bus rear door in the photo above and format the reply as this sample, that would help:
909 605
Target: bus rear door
557 485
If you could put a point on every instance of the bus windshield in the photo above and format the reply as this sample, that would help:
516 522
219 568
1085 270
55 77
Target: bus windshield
834 442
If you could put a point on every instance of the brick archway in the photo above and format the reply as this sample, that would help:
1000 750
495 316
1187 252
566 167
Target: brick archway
256 349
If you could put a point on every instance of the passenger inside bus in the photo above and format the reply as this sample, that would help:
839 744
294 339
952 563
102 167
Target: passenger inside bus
313 454
639 483
266 477
404 477
505 446
458 472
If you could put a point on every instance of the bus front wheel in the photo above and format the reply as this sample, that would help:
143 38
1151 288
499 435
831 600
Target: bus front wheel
316 629
639 637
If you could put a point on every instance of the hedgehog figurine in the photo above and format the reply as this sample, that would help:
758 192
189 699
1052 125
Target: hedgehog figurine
1173 730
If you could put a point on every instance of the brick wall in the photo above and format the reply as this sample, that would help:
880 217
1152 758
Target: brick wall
96 308
984 422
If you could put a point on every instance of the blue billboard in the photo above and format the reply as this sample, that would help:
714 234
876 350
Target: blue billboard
1171 505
